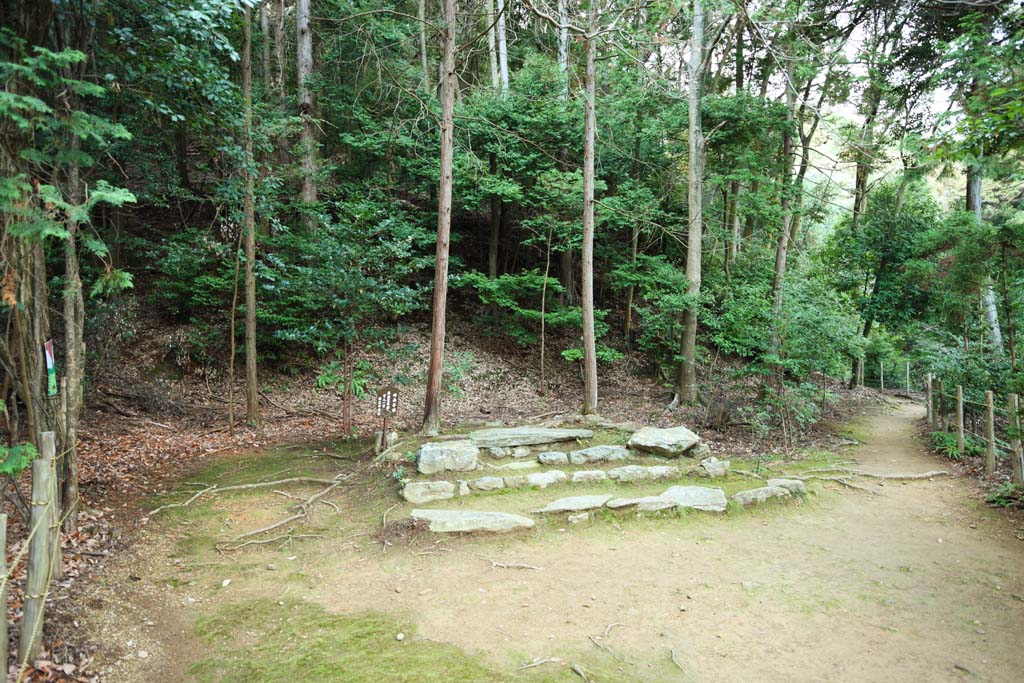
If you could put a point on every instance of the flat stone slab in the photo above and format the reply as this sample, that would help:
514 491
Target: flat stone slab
442 456
465 521
576 504
713 467
760 495
599 454
646 504
519 465
525 436
794 486
419 492
663 472
488 484
516 481
671 442
546 479
629 473
695 497
553 458
589 477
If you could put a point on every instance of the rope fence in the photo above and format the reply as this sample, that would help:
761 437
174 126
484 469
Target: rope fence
950 411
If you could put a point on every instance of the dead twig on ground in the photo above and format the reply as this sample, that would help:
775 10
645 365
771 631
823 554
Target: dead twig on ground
287 537
538 662
675 661
607 649
578 670
506 565
330 483
608 629
303 509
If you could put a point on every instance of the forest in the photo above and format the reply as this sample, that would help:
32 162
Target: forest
747 208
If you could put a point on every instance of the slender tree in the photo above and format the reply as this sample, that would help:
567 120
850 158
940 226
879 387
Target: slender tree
432 412
252 405
502 47
306 108
686 381
587 250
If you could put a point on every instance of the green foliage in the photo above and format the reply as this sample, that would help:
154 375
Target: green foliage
1006 495
518 299
335 374
945 443
323 290
456 370
14 459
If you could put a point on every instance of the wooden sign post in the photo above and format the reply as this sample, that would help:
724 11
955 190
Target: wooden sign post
387 406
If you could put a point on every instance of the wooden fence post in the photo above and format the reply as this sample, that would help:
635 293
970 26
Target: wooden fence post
881 375
929 401
990 433
40 563
941 404
961 445
908 376
3 589
1013 406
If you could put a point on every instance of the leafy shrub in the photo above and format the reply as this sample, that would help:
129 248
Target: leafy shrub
517 297
1007 494
945 443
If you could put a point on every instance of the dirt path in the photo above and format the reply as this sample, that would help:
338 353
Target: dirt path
917 583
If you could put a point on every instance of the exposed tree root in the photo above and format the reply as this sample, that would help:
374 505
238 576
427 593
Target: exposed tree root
214 489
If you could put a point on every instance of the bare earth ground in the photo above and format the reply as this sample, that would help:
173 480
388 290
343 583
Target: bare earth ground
917 583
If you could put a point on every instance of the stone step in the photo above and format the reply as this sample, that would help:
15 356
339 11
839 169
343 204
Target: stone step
696 497
511 437
419 492
466 521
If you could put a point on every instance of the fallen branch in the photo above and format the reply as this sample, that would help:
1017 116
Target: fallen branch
607 649
506 565
578 670
331 483
303 509
288 537
538 662
608 629
747 474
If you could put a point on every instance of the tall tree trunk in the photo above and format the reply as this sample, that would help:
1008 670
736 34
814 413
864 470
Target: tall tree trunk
587 258
421 10
495 219
782 245
265 56
735 189
492 44
252 406
432 413
566 271
280 48
686 381
304 49
563 47
988 296
74 358
1008 311
502 48
277 86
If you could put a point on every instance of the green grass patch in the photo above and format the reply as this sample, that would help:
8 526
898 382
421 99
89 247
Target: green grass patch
267 641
